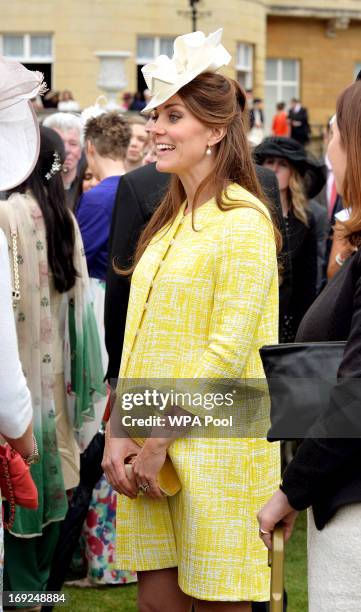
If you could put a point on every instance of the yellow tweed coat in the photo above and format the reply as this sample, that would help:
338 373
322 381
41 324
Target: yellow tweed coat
202 303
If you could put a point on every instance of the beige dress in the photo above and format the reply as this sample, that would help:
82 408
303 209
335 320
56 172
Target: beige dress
67 445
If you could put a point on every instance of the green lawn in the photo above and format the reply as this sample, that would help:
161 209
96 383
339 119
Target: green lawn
123 598
296 567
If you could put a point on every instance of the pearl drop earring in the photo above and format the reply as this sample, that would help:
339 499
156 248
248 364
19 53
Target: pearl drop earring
209 150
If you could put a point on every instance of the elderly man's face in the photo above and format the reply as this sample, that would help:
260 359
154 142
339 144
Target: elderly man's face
71 140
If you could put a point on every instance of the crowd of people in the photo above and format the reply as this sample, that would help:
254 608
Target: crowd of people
173 245
291 122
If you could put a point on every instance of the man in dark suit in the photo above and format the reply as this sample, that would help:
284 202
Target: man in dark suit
298 118
138 195
256 118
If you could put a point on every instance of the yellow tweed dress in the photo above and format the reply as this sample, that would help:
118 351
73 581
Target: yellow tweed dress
201 305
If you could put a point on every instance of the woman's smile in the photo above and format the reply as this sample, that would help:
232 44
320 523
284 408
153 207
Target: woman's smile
164 148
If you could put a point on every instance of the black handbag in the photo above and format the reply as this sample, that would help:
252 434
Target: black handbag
300 377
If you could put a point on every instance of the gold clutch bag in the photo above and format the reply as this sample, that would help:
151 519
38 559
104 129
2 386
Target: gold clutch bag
277 562
168 480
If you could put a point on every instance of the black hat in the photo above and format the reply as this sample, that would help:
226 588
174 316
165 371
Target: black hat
313 171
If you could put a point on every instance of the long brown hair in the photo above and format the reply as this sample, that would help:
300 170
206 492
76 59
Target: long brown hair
297 197
348 116
216 101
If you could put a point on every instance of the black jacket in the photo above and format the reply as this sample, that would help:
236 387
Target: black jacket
139 193
252 117
302 244
325 473
322 228
301 133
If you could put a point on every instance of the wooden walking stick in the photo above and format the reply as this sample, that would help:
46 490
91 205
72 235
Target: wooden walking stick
276 561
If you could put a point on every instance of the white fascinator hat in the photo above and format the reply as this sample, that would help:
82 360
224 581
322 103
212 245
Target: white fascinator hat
19 128
193 54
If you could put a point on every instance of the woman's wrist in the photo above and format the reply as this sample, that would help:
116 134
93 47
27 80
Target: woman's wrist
158 444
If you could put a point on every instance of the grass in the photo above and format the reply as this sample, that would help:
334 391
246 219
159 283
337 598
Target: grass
101 599
123 598
296 567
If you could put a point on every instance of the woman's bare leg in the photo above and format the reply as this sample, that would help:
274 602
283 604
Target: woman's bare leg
158 591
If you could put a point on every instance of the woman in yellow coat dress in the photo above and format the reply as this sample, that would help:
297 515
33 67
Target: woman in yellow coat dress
204 299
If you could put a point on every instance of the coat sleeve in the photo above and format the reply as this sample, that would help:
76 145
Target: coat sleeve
246 268
304 273
322 229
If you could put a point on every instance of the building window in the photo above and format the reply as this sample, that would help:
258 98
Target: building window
27 47
244 65
13 46
282 84
357 69
40 46
148 48
35 51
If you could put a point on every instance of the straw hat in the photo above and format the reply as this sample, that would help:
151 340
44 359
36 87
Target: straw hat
19 129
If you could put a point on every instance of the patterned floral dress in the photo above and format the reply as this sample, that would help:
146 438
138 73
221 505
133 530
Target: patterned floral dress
99 538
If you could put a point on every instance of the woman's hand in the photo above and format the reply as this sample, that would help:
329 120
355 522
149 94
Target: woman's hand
341 249
147 465
276 510
115 452
23 445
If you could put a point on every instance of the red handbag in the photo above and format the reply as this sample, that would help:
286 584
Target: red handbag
16 483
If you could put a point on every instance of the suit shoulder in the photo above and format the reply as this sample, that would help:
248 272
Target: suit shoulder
147 176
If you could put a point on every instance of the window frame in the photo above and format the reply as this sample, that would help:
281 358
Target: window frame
245 69
279 82
141 61
26 57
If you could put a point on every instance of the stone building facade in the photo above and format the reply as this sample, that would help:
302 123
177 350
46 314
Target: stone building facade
314 48
281 48
76 30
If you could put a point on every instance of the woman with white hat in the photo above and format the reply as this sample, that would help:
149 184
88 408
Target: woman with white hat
58 341
204 298
18 127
